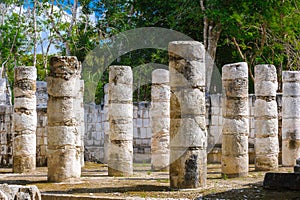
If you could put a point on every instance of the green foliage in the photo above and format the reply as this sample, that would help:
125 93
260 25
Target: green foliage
261 31
27 60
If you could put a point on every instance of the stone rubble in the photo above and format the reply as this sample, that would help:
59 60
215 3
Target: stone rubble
18 192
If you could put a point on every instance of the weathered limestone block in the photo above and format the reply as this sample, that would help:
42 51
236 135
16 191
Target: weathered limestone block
188 132
120 151
266 118
25 120
235 112
160 125
64 121
188 135
120 158
67 162
194 161
160 111
290 117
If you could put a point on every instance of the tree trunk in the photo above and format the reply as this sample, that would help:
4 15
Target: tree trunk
34 33
213 34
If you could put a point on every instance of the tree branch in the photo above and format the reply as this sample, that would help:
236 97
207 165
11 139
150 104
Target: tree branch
239 49
243 57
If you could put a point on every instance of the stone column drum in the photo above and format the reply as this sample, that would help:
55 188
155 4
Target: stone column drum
25 120
188 135
235 129
64 122
290 117
266 118
120 121
160 120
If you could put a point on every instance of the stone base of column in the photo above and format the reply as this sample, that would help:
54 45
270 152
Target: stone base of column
194 173
69 168
290 151
24 163
234 166
160 162
264 163
120 158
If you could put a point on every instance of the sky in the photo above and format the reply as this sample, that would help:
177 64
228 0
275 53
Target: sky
66 18
45 32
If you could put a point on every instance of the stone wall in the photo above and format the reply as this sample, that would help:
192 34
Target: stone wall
94 132
41 129
141 132
6 135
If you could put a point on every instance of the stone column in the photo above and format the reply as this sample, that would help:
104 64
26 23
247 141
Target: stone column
188 135
81 115
25 120
120 121
235 129
64 135
160 120
290 117
266 118
106 124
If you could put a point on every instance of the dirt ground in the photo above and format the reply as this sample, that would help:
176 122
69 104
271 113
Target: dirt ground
147 184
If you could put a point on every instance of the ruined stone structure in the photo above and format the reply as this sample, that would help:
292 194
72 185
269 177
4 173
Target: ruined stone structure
64 123
25 119
235 120
120 120
160 120
187 111
290 117
266 118
66 107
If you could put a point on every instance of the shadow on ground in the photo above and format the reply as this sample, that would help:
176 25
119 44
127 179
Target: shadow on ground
252 192
137 188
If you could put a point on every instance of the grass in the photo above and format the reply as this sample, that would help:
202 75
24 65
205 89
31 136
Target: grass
163 180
